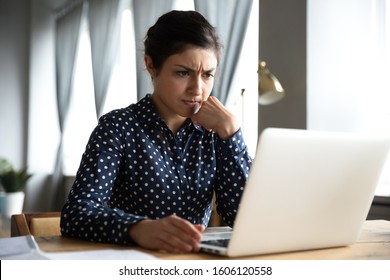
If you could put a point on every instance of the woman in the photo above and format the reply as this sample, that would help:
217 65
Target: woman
149 170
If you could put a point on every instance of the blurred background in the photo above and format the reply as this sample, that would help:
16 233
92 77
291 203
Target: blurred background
332 58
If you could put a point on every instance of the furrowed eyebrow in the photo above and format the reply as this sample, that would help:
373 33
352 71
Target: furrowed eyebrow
189 69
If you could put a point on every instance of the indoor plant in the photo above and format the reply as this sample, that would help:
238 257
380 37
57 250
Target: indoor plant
12 184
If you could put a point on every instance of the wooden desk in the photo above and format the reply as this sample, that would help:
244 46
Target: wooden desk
373 244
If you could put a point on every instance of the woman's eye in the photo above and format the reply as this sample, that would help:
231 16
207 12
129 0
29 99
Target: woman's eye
182 73
208 75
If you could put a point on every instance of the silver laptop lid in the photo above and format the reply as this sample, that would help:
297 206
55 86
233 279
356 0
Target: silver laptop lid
307 190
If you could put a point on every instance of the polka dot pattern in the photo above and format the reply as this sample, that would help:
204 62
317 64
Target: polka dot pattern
134 168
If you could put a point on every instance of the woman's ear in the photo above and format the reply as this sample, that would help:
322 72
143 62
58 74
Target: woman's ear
149 66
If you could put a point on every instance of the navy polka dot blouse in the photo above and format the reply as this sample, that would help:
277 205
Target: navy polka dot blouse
134 168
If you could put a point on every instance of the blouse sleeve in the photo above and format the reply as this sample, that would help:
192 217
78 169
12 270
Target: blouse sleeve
233 166
87 213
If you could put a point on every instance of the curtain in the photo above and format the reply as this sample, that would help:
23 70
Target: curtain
104 26
230 18
67 34
145 14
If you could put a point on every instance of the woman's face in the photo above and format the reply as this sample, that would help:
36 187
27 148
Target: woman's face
184 80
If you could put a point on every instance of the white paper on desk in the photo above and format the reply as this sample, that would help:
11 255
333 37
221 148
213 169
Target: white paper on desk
20 248
106 254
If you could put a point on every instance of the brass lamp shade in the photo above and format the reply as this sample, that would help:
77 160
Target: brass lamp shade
270 89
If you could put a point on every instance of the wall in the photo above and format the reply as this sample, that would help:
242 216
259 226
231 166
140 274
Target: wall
26 68
42 107
283 47
14 62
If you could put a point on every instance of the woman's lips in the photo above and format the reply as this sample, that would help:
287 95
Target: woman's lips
190 103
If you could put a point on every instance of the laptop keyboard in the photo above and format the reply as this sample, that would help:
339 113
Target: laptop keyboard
217 242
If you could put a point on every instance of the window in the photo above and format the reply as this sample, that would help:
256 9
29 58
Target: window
123 86
348 66
123 91
82 114
244 104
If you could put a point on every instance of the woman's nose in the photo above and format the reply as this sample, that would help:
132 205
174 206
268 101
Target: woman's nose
196 85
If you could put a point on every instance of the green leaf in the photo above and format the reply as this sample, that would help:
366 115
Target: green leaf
10 179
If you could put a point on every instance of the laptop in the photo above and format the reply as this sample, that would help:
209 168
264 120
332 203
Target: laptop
306 190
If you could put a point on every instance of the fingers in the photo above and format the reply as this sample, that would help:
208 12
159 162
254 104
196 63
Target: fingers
213 116
171 234
205 112
182 226
187 235
200 228
197 108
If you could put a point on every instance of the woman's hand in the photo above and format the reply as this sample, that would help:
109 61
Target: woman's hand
212 115
171 234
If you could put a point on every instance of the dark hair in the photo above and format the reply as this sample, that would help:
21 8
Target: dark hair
175 31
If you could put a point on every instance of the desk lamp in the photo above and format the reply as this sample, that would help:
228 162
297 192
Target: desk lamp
270 89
